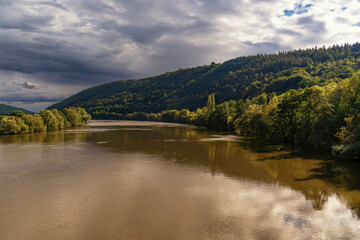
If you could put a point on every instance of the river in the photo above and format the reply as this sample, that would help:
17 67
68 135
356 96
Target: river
145 180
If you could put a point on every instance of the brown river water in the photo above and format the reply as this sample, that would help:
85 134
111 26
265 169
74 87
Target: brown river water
139 180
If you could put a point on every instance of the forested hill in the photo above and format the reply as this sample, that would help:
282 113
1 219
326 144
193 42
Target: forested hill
7 109
240 78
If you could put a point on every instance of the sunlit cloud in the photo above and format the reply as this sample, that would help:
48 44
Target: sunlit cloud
65 46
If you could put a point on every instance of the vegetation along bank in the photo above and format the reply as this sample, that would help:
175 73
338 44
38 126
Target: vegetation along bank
303 97
19 122
325 118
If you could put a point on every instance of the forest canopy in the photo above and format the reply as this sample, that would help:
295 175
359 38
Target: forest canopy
303 97
239 78
325 118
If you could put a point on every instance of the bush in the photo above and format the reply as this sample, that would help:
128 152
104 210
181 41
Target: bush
77 117
12 125
20 122
59 117
35 123
51 122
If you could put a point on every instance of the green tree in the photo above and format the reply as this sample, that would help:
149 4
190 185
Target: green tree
35 122
17 113
211 103
50 120
60 119
12 125
77 117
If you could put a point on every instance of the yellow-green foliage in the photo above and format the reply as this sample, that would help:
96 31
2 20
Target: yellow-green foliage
349 109
59 117
240 78
51 122
53 119
35 123
319 117
76 116
12 125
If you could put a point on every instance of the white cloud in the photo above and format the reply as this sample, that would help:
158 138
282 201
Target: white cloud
84 43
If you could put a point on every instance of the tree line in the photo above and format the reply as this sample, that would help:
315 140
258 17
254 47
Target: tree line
302 97
19 122
239 78
326 118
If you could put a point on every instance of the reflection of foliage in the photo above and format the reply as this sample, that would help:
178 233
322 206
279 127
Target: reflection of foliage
340 174
248 159
44 137
310 176
316 117
20 122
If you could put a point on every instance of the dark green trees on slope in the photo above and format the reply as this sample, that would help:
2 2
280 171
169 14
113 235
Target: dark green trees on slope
240 78
7 109
325 118
303 97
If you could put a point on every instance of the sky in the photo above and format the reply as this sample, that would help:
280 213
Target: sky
52 49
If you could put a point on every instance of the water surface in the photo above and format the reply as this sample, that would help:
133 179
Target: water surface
139 180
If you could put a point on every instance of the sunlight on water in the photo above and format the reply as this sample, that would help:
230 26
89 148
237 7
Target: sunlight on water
117 181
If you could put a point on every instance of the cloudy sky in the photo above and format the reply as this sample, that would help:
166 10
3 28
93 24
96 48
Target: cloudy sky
51 49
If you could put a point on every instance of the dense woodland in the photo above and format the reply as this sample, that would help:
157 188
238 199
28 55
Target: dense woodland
19 122
325 118
303 97
240 78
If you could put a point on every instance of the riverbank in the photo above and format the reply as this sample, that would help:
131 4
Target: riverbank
18 122
117 180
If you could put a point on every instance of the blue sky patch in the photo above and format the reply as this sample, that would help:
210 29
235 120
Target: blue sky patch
357 24
298 9
288 12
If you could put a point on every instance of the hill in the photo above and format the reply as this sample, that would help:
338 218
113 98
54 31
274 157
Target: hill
239 78
7 109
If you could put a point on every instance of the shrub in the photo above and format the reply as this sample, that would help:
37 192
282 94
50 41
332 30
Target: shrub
12 125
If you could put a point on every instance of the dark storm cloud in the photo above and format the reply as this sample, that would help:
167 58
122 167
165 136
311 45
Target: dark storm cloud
17 97
71 62
74 63
65 46
315 30
179 52
28 85
311 24
148 33
25 22
142 34
197 26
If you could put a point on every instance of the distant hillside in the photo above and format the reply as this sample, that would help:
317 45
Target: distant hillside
239 78
7 109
